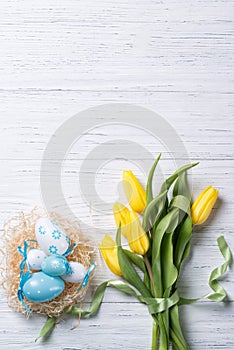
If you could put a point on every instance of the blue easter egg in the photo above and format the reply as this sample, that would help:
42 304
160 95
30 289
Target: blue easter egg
40 287
54 265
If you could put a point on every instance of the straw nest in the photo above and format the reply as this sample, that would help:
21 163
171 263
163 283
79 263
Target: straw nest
17 230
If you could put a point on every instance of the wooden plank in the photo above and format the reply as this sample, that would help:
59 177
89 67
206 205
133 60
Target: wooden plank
174 57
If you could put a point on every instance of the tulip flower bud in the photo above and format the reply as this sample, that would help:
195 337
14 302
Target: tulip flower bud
134 192
137 238
203 205
109 252
121 215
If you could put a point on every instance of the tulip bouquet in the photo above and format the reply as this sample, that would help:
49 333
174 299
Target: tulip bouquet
158 230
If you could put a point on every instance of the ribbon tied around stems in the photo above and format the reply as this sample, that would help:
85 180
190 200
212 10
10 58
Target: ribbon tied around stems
157 305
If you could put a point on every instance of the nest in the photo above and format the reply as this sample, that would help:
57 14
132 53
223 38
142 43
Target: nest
20 228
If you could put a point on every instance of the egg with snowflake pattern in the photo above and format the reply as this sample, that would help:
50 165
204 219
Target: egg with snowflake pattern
54 265
51 237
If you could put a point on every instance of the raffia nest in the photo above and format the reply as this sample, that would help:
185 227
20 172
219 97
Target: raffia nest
17 230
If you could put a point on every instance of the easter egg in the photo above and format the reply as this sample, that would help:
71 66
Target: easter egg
77 275
54 265
35 258
51 237
40 287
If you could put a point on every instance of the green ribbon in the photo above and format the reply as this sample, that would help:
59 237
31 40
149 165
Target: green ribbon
219 292
154 305
158 305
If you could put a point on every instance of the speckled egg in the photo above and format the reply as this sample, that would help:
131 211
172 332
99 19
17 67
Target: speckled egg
78 273
40 287
35 258
54 265
51 237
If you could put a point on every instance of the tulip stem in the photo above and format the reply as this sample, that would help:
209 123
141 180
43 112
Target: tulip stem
155 335
149 269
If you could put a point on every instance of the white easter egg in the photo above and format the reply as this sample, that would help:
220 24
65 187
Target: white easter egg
35 258
51 237
78 273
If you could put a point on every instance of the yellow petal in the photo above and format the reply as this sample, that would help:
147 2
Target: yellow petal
121 215
134 192
203 205
109 252
138 240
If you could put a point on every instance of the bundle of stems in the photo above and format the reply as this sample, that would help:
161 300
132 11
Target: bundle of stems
159 231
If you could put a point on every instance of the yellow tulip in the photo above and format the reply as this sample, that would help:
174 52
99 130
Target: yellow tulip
109 252
137 238
134 192
203 205
121 215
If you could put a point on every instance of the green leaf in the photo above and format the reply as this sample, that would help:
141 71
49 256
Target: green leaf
175 331
186 252
139 262
47 328
153 211
181 187
158 207
166 225
136 259
169 271
149 189
176 188
181 202
147 282
183 240
127 269
169 181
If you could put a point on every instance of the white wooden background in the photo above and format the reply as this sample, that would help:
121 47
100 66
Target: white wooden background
174 57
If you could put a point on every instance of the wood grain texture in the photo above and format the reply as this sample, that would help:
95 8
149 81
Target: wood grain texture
174 57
